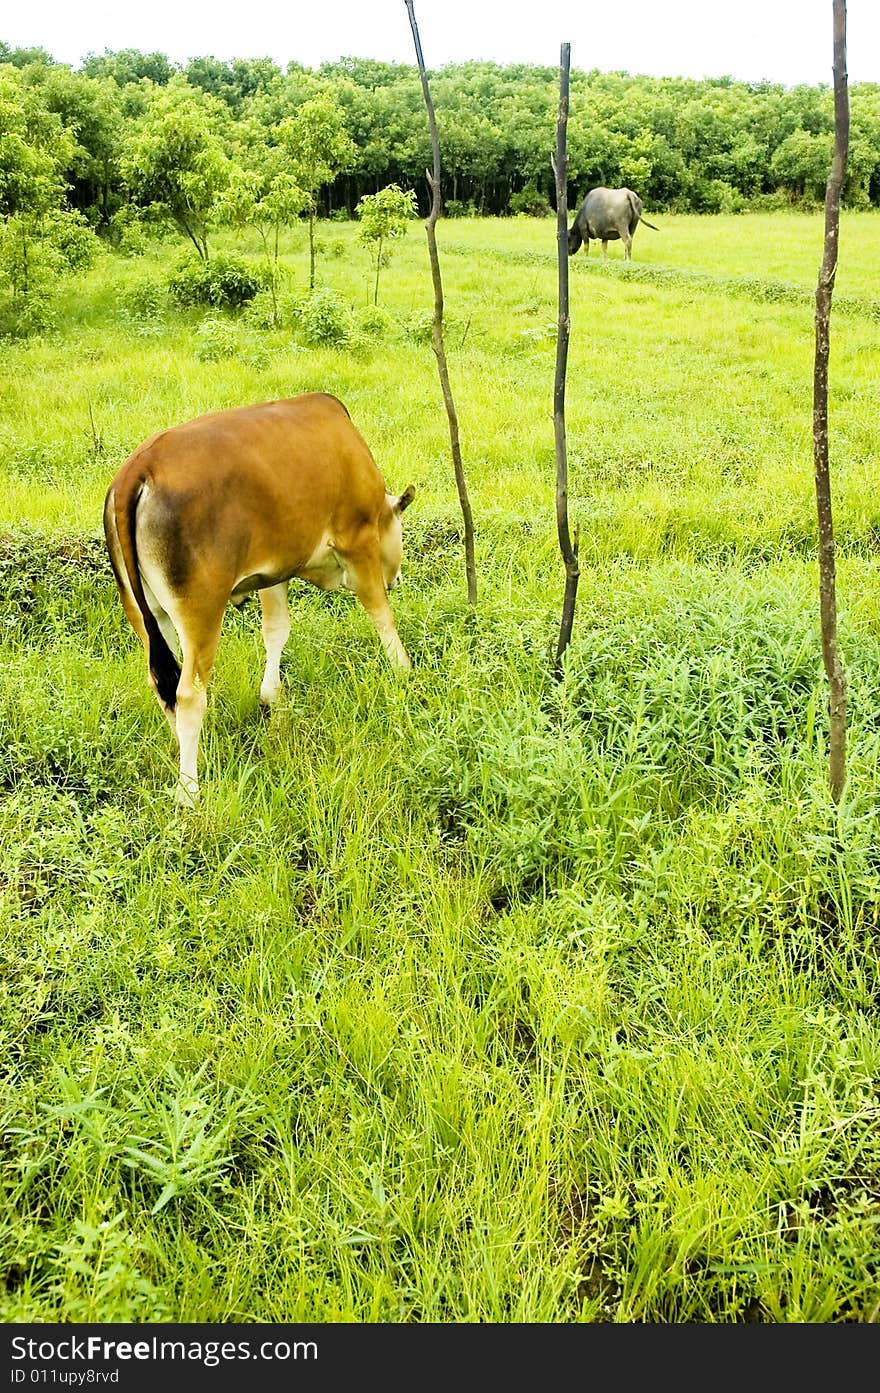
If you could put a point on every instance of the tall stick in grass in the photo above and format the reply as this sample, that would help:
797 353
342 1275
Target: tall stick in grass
568 548
827 271
433 177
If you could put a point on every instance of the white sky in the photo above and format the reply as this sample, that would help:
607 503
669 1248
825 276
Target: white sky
787 41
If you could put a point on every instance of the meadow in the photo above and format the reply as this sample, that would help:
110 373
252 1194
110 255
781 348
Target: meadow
474 996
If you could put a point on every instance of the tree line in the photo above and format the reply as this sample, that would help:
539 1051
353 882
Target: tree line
130 139
684 144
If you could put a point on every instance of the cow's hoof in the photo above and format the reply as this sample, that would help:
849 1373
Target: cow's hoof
186 795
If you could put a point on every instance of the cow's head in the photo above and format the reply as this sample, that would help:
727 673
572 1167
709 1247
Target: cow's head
391 536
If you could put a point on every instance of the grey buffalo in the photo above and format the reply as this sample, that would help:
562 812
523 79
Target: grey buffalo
606 215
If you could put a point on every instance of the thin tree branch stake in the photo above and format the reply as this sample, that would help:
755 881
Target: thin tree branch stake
827 272
433 177
568 548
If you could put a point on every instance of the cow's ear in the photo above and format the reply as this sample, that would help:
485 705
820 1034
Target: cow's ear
399 505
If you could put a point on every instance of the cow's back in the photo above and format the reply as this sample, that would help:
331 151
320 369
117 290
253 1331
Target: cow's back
305 448
611 209
260 487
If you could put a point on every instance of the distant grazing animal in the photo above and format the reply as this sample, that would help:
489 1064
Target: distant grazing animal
606 215
242 500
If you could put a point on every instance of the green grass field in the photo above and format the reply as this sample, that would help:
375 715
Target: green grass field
473 997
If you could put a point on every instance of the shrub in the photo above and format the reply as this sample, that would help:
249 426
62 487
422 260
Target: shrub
34 257
127 232
72 237
373 322
216 338
260 311
420 326
145 300
770 202
28 314
324 318
226 282
530 201
717 196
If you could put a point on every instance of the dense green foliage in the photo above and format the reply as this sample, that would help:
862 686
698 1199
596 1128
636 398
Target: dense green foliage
698 145
476 997
130 140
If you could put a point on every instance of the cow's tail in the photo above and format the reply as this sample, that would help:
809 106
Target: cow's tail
636 204
120 517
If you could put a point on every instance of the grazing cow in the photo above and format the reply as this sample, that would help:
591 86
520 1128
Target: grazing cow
243 500
606 215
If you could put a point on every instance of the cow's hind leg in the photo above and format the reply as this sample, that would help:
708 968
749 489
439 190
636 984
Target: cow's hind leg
169 634
199 644
276 628
132 608
626 238
137 624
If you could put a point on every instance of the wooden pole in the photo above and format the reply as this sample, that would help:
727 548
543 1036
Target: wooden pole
827 271
433 177
568 548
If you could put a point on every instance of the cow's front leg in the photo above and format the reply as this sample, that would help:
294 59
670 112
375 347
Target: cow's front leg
276 629
604 247
365 578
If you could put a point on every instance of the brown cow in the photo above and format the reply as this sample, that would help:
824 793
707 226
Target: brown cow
243 500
